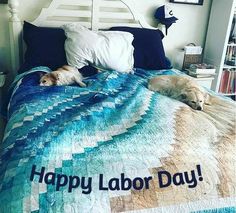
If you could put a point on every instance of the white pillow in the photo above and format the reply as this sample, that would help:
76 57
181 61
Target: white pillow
110 50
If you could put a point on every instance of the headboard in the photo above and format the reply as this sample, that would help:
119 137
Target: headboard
94 14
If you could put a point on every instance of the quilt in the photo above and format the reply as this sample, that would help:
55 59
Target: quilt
115 146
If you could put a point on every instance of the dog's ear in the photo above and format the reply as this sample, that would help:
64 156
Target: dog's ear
41 74
183 96
55 76
207 100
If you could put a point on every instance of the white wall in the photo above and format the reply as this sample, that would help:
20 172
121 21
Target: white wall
191 26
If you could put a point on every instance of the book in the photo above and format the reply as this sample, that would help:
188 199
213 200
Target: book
202 69
228 89
221 82
193 74
224 81
232 83
230 57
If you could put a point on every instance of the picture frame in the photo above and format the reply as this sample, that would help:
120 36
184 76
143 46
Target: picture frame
194 2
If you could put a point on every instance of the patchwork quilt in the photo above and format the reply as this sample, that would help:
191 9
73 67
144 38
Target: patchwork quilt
115 146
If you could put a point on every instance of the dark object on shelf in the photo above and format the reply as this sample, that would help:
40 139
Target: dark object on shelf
230 57
3 1
200 2
232 37
231 63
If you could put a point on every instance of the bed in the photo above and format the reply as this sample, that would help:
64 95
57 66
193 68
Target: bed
114 146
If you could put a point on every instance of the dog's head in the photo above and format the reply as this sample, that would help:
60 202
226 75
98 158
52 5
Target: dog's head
195 98
49 79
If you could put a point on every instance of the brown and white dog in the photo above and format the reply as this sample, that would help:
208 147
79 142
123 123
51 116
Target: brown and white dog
65 75
181 88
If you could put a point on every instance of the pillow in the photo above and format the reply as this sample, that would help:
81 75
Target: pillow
45 47
148 48
103 49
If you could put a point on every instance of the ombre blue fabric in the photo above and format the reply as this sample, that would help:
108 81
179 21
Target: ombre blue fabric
115 125
220 210
74 130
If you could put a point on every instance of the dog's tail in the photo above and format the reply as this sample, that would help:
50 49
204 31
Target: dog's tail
69 68
150 85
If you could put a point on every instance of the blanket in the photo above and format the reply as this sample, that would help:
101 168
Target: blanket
115 146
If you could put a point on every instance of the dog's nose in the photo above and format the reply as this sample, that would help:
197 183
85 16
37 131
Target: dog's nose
199 108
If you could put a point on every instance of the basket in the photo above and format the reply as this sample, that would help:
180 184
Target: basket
191 58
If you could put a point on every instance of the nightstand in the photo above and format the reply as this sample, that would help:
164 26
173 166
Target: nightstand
204 82
203 76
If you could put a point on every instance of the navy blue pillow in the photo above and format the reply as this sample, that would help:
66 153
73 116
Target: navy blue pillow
45 47
148 48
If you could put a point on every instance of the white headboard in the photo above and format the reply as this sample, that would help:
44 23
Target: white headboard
94 14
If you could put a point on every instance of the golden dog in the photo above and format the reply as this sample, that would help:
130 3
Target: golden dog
181 88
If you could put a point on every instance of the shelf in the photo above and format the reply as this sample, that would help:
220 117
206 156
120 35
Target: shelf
227 94
203 78
229 66
231 45
218 42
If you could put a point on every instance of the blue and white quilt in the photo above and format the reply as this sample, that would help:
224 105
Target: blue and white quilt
115 146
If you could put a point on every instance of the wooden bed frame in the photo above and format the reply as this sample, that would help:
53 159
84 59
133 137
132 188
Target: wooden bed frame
94 14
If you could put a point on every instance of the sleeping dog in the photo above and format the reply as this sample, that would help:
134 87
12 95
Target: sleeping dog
181 88
64 75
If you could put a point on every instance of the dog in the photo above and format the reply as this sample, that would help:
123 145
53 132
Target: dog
65 75
181 88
